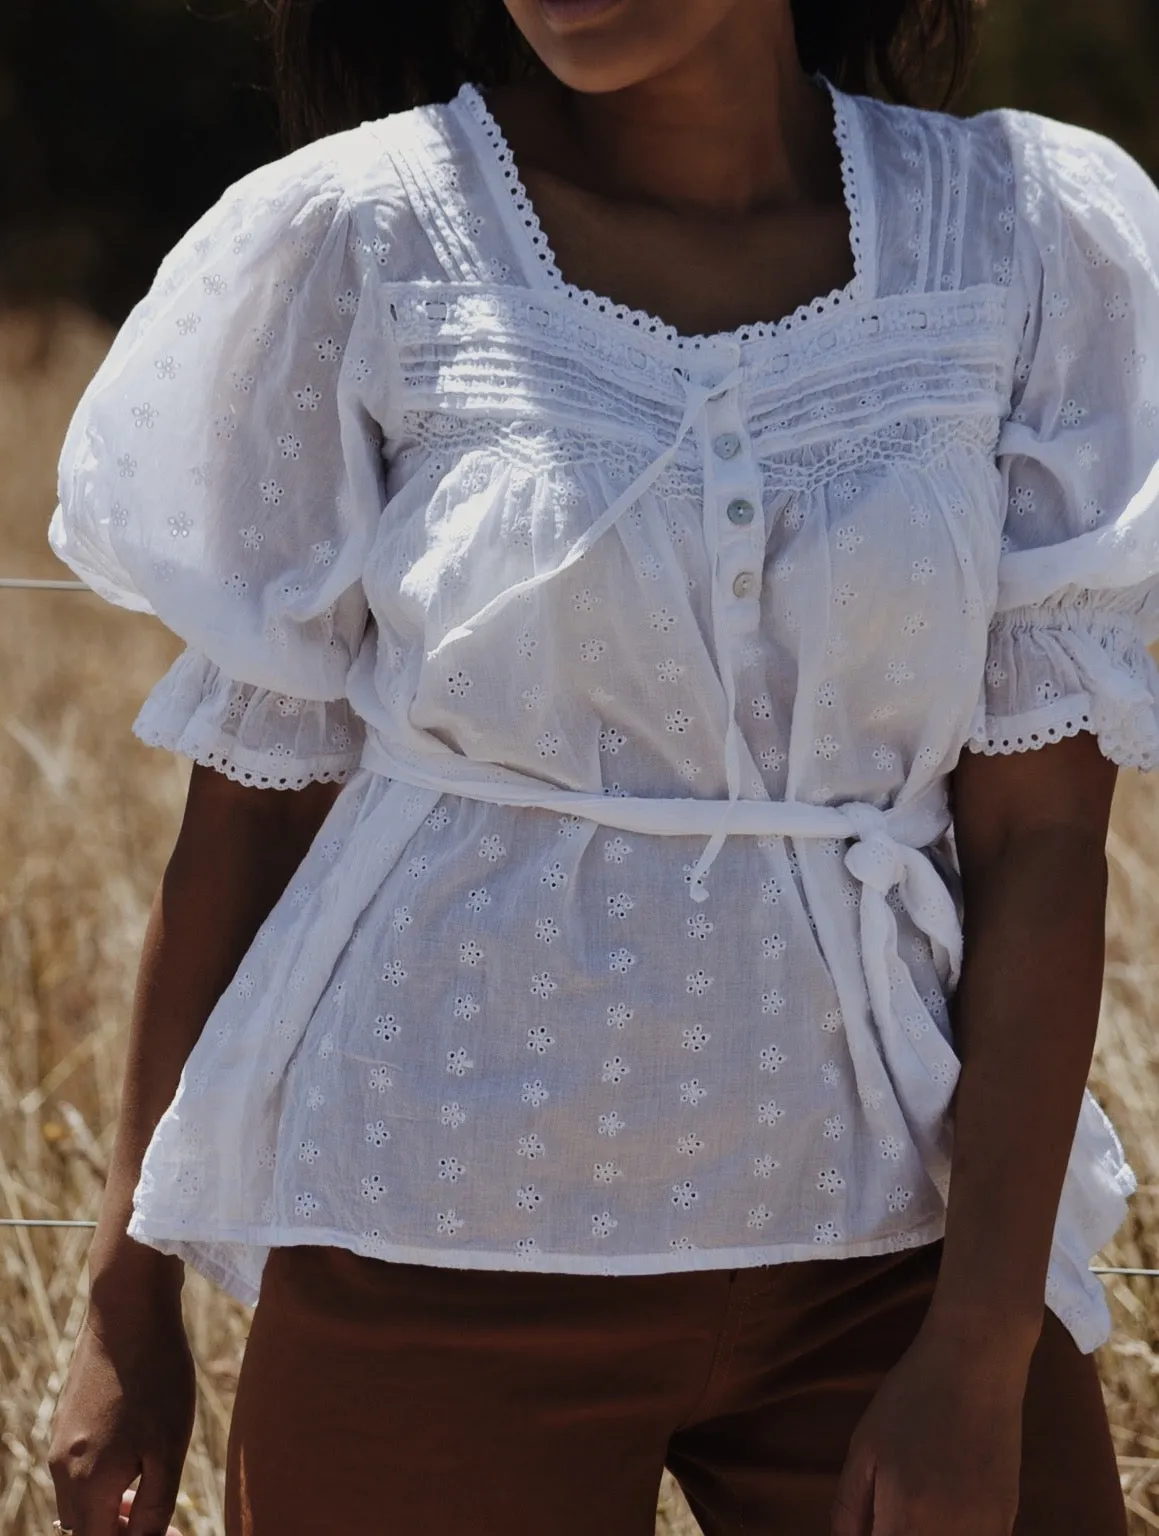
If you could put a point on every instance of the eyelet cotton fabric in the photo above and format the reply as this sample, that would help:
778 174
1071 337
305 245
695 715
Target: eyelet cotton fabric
644 658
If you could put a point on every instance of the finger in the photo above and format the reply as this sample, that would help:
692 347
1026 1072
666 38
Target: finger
92 1508
62 1490
149 1508
127 1510
852 1513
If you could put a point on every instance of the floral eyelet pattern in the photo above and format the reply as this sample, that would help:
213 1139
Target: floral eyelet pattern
440 528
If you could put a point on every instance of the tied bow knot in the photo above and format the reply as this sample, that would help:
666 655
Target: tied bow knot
875 858
883 862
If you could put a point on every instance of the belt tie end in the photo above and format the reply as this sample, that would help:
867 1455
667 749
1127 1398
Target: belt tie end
696 886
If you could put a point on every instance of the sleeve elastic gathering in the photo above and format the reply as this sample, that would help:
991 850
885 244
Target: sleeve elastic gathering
222 472
1079 458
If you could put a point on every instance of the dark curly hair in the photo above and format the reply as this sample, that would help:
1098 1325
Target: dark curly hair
339 62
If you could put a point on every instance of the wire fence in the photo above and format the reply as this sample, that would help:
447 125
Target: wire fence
33 584
20 1221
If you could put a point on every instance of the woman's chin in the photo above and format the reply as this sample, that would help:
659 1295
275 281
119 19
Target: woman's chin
572 15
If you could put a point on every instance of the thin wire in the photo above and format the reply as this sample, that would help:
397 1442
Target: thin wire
11 1221
30 584
1096 1269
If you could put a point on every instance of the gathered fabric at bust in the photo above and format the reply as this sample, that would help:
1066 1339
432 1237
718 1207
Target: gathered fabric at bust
644 659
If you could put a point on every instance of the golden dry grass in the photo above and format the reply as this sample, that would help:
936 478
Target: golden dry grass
87 816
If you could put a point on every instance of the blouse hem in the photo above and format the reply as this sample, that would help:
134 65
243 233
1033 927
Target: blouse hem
1088 1322
204 1253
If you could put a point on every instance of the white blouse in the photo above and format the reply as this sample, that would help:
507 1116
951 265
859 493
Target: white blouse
644 659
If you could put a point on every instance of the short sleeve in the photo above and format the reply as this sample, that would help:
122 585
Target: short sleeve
223 472
1077 601
255 736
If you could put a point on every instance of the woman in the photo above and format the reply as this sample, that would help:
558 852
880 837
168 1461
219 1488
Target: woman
576 1086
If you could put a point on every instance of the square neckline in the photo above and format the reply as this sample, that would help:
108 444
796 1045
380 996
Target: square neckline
541 267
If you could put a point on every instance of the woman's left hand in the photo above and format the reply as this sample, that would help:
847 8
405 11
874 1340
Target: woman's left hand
938 1451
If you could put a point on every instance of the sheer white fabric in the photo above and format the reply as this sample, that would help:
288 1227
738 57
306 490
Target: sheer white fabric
645 658
268 740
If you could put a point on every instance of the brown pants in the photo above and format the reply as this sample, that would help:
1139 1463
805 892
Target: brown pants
405 1400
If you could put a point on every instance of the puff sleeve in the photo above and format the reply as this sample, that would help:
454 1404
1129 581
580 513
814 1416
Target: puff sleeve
223 472
1077 598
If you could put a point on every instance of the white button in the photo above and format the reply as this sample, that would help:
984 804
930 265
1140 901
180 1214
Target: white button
744 584
726 446
740 511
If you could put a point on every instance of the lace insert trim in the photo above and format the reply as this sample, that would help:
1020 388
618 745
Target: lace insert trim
434 441
639 319
947 347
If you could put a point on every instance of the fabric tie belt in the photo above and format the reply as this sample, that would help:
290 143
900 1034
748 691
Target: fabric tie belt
887 849
886 854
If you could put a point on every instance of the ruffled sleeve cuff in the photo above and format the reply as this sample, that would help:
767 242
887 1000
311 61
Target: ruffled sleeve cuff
1054 671
253 736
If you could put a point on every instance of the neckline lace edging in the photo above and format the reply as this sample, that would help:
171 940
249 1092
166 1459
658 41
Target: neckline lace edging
545 263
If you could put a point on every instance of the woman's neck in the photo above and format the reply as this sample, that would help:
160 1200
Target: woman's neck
735 128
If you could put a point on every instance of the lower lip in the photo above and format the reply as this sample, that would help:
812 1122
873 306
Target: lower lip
571 13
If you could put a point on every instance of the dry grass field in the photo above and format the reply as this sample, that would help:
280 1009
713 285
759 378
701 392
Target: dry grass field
87 816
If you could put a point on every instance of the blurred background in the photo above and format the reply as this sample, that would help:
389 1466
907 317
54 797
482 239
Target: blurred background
120 122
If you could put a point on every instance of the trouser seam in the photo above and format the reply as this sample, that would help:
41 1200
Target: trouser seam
718 1372
734 1311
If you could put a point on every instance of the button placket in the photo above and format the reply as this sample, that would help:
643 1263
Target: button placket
733 501
734 536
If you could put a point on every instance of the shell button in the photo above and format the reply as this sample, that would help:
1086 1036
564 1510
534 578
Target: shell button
740 511
744 584
726 446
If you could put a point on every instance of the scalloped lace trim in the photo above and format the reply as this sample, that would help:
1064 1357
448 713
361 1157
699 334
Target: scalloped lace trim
1114 693
167 720
238 766
540 447
1127 730
1026 733
639 319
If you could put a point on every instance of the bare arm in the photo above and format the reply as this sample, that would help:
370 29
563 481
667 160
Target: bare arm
1031 832
939 1448
235 853
127 1407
